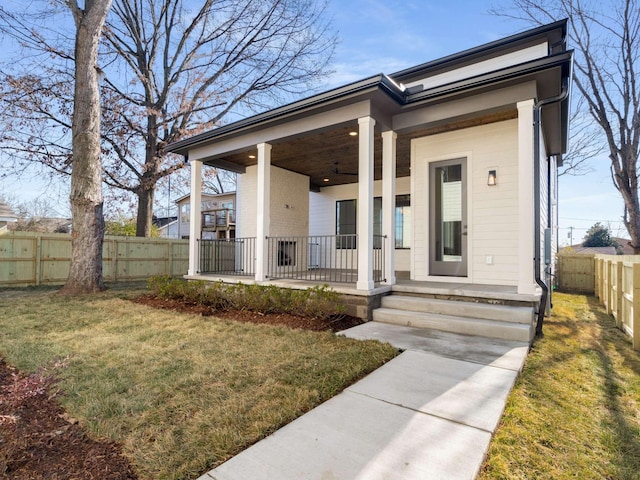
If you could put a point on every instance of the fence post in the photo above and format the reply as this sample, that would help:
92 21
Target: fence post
38 264
619 293
635 321
596 283
609 286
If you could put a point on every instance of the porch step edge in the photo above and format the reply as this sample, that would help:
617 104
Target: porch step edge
454 324
504 313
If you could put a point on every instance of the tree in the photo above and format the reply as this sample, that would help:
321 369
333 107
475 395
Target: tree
85 270
169 72
598 236
606 37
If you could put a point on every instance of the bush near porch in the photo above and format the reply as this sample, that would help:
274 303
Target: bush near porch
181 392
314 302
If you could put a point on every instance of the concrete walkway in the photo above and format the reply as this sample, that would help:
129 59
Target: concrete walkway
427 414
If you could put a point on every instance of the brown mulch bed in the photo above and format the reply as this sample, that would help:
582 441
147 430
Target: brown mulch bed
334 323
38 440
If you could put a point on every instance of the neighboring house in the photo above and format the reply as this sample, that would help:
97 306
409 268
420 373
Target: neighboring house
217 220
167 226
42 225
443 172
6 216
580 250
623 247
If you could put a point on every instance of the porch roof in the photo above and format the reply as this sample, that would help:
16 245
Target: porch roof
312 136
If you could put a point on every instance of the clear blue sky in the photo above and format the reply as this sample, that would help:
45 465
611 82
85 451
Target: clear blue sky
386 36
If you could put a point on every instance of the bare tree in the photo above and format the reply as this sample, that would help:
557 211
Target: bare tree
606 37
85 272
170 72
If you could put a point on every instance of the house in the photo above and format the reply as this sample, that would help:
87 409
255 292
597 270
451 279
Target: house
443 173
580 250
6 216
217 220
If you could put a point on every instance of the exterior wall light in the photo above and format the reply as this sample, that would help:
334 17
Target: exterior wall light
492 179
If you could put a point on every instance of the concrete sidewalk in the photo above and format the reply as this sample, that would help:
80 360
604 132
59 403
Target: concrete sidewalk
427 414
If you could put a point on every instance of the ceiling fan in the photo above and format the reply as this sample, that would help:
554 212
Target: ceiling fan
335 170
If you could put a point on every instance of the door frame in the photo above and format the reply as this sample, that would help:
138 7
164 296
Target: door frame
449 269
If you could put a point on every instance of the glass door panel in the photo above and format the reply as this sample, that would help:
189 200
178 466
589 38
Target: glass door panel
448 218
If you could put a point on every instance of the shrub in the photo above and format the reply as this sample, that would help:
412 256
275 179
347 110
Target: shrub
315 302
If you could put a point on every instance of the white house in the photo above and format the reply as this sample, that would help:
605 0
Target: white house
6 216
442 173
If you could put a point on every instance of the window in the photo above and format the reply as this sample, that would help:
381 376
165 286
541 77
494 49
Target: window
185 210
346 223
403 221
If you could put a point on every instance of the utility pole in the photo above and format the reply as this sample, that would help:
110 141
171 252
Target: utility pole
570 236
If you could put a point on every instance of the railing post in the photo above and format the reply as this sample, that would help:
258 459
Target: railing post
635 321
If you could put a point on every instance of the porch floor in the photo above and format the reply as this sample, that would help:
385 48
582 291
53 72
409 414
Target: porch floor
489 292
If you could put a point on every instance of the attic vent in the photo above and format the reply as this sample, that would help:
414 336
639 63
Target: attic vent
415 89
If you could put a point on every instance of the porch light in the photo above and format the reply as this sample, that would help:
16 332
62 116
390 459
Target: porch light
492 179
325 179
353 134
252 157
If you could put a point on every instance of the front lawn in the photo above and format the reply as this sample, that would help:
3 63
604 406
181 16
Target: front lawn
181 392
575 410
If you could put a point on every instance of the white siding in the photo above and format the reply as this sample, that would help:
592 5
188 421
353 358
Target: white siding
492 210
503 61
322 211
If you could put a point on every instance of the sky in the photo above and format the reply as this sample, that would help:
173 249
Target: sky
387 36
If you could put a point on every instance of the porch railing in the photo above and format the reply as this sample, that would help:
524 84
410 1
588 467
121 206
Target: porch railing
234 256
321 258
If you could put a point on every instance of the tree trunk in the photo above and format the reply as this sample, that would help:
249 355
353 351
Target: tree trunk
85 273
145 212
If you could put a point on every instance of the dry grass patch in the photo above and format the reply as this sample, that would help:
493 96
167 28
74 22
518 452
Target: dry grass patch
574 412
182 393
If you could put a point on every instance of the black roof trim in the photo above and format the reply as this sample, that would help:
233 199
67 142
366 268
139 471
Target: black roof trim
482 49
381 81
563 59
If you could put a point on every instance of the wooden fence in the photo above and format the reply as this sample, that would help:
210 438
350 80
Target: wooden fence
618 289
42 258
576 273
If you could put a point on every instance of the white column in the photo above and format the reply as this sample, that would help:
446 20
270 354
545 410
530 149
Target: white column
526 281
195 216
365 203
263 210
389 203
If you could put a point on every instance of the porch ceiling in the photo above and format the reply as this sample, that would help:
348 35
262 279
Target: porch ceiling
330 157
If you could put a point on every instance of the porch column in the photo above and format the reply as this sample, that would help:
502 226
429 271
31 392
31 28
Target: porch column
526 282
263 210
389 203
365 203
195 216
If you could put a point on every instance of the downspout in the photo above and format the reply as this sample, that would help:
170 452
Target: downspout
536 193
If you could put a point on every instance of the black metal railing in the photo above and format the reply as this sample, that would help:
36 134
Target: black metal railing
321 258
235 256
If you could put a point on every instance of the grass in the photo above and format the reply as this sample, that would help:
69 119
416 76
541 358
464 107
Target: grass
181 393
575 410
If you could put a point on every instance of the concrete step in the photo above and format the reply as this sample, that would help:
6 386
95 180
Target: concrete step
456 324
505 313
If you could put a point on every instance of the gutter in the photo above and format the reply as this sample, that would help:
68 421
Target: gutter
537 216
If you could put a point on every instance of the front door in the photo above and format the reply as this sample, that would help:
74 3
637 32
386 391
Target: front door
448 218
